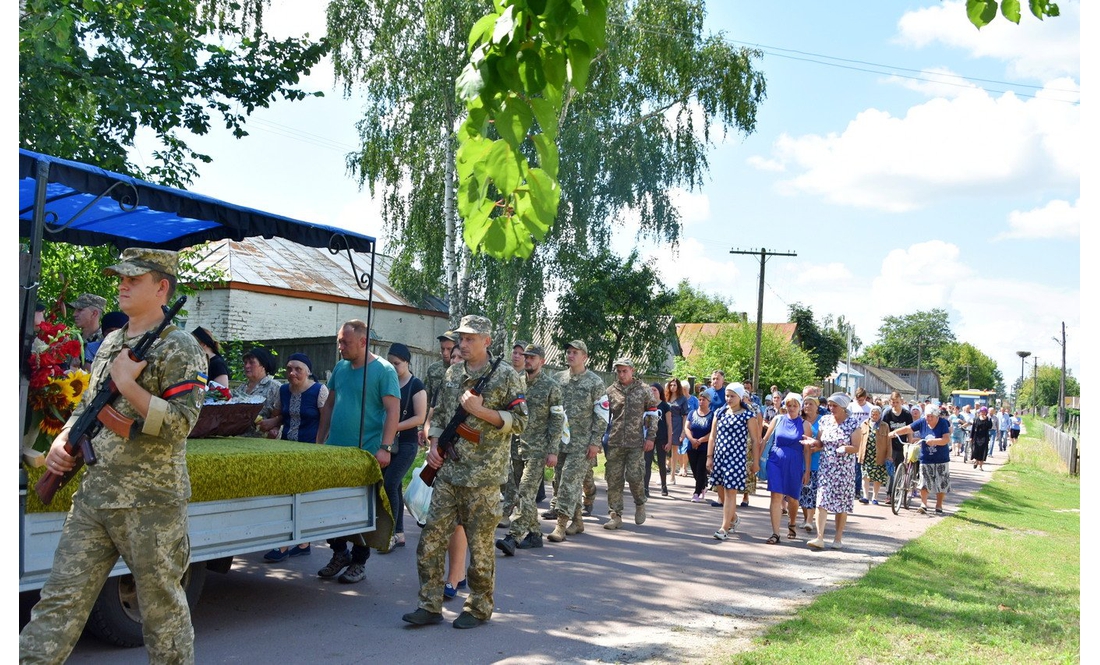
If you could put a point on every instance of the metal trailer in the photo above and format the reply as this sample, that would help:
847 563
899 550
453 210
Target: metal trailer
82 204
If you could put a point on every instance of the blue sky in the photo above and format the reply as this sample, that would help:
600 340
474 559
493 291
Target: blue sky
897 194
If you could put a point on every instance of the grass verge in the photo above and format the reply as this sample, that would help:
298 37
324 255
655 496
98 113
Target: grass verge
998 582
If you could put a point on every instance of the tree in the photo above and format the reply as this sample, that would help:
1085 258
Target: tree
619 308
983 12
1047 393
92 72
823 344
899 336
963 366
693 305
733 350
641 127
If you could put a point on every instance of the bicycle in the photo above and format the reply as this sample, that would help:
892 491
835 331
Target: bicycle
905 477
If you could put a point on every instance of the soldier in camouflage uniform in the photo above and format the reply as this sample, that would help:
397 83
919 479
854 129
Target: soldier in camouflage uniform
510 489
538 448
628 442
433 378
133 503
580 389
467 488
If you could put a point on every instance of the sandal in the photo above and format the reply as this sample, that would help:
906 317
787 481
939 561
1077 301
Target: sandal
773 539
791 533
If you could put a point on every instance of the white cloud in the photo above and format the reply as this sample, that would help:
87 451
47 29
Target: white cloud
934 82
1033 49
1057 219
969 145
761 164
694 207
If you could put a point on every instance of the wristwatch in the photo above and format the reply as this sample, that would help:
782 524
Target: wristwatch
388 447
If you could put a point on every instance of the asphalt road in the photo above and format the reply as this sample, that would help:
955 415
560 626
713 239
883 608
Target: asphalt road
663 592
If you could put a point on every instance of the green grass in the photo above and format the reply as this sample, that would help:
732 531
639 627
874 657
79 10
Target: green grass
998 582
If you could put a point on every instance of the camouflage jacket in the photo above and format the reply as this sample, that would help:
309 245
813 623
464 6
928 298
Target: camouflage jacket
484 463
579 395
150 468
433 380
628 406
545 418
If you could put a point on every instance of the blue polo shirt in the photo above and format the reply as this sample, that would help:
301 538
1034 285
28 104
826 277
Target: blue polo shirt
922 429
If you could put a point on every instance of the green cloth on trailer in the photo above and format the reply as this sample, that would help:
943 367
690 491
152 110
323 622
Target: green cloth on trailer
238 467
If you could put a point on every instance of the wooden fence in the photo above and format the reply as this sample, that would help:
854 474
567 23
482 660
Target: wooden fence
1065 445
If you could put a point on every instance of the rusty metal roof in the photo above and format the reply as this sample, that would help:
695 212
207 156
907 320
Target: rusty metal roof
281 264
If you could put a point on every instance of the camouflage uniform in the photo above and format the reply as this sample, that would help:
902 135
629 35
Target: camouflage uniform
433 380
625 455
132 503
579 395
510 488
541 437
467 489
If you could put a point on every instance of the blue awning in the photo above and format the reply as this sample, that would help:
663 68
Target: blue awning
135 213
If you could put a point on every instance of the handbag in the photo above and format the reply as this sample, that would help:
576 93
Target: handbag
418 496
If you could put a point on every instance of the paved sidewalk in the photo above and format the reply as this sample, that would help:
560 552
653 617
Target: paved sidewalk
663 592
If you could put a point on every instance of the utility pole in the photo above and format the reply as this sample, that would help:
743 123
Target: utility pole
968 375
763 256
1023 355
1062 380
920 341
1035 383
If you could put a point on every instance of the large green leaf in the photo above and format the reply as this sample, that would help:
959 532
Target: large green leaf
580 57
514 121
545 193
505 25
470 158
547 115
981 12
1010 9
483 29
470 83
531 72
502 166
548 154
477 224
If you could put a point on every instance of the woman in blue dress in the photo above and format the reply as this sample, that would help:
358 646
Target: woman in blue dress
788 463
735 432
807 498
838 441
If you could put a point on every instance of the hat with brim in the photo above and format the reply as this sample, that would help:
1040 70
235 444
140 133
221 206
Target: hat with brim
473 324
624 362
89 300
578 345
449 336
137 261
534 350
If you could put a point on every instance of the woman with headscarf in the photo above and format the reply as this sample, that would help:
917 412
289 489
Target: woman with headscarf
414 407
733 452
788 463
838 441
807 498
979 438
298 413
217 370
934 434
259 365
873 453
697 429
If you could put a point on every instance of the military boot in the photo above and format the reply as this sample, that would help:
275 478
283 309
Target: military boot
559 532
532 540
615 522
577 525
639 513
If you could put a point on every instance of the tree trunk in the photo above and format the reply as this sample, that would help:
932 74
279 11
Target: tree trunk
450 264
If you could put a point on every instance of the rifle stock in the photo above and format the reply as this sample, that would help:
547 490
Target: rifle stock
88 425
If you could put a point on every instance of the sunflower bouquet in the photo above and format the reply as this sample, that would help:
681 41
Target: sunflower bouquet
55 389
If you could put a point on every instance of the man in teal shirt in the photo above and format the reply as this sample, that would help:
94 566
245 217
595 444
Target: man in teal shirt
350 418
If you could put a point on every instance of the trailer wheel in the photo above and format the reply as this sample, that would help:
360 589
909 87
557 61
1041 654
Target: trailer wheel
116 616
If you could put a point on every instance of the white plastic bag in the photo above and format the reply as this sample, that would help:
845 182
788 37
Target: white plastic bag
418 496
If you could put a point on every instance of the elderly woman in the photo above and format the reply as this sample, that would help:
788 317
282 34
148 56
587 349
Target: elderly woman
259 365
733 452
980 437
298 412
934 434
788 463
838 441
807 498
873 453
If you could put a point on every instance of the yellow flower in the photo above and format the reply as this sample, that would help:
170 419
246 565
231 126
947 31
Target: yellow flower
73 385
51 426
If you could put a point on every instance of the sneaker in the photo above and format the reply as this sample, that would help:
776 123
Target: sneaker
836 545
467 620
277 554
639 514
818 544
716 504
721 534
695 498
736 523
664 490
874 502
923 510
298 550
450 591
807 527
531 541
356 572
339 561
422 617
507 545
864 501
939 511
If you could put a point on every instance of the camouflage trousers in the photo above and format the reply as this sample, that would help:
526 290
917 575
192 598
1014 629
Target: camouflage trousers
510 488
477 509
569 479
590 485
624 465
525 519
154 544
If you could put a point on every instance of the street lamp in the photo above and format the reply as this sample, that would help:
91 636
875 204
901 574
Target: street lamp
1022 354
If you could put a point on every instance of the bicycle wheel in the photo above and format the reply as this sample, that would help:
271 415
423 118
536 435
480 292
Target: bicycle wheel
907 485
898 488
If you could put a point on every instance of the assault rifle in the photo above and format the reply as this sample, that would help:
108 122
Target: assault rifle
445 445
99 412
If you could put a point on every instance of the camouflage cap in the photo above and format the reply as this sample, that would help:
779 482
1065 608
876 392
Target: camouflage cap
624 362
450 336
534 350
472 324
521 344
578 345
140 260
89 300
